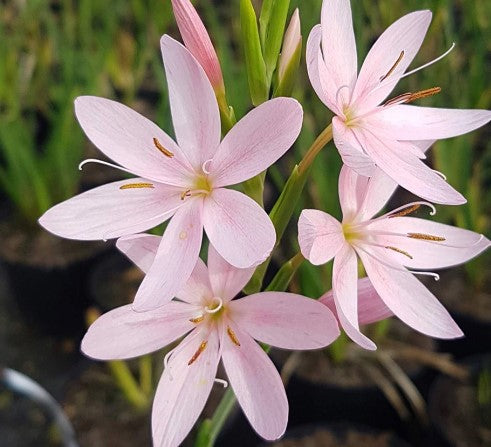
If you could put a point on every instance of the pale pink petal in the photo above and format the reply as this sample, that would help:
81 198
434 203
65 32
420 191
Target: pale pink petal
407 122
239 229
193 104
127 137
320 236
406 34
256 383
256 141
285 320
184 389
197 40
352 190
339 46
344 285
458 247
371 308
350 149
319 77
175 260
226 280
123 333
108 211
410 300
408 171
197 287
140 249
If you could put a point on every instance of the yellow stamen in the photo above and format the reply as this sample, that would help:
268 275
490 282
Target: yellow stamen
201 348
197 319
425 237
397 62
136 186
423 94
162 149
398 250
405 212
232 336
185 194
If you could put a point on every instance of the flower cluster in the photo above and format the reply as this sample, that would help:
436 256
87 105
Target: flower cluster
382 143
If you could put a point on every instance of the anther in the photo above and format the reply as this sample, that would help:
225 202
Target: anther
232 336
398 250
185 194
162 149
136 186
423 94
195 356
405 212
425 237
197 320
397 62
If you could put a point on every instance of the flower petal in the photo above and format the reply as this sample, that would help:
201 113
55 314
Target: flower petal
184 389
127 137
285 320
339 46
459 245
410 300
344 286
407 35
371 308
256 141
140 249
108 211
197 286
256 384
320 236
406 122
238 228
319 77
175 260
407 170
193 103
226 280
123 333
350 149
352 189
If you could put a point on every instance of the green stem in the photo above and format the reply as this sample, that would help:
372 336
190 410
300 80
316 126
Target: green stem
146 372
127 384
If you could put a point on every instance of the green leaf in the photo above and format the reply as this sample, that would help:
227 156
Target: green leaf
256 69
264 17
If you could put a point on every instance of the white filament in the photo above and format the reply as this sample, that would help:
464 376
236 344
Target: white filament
429 63
222 382
215 309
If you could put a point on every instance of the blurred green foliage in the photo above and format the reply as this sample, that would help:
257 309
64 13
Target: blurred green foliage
52 51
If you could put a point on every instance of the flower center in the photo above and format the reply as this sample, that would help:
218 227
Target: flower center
350 232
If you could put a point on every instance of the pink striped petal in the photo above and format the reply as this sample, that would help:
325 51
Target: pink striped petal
319 76
285 320
410 300
408 171
127 137
352 189
193 104
339 46
371 308
256 141
238 228
406 34
184 389
175 260
344 285
108 211
256 384
320 236
226 280
140 249
123 333
458 247
350 149
197 287
406 122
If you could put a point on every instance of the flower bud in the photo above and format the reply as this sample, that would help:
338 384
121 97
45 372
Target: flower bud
290 55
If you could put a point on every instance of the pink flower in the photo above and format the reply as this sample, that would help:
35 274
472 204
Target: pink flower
198 41
217 327
369 132
184 180
387 246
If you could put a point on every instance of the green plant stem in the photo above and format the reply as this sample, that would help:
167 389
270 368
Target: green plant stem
127 383
146 372
285 206
210 428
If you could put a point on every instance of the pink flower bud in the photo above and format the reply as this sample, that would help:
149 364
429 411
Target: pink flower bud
292 39
198 41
